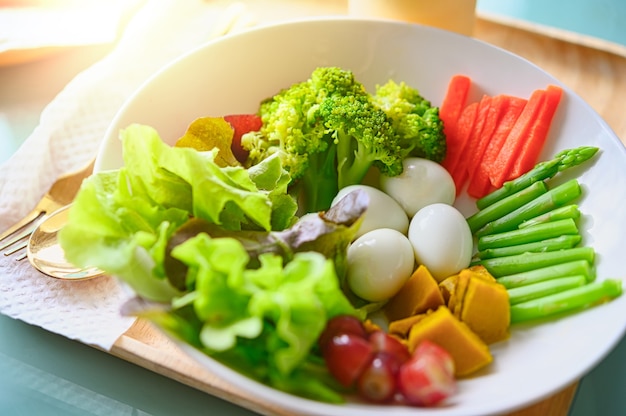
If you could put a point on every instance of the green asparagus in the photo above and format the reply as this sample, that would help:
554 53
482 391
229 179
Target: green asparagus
551 244
502 266
532 234
505 205
572 268
554 198
541 289
567 301
543 170
561 213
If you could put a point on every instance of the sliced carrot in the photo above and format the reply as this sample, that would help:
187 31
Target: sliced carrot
532 146
513 108
479 184
458 171
454 101
495 139
451 108
475 147
503 164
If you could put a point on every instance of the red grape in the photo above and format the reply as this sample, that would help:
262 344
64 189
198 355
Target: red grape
339 325
377 383
346 356
428 347
381 367
381 341
425 379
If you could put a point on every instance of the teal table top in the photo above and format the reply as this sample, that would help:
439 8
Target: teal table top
46 374
602 19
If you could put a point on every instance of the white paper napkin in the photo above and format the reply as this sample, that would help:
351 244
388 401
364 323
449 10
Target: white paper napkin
68 136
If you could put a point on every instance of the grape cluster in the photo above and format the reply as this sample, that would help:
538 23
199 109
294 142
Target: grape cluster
381 368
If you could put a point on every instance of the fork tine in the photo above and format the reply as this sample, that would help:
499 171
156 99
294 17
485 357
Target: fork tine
16 249
29 218
16 238
21 256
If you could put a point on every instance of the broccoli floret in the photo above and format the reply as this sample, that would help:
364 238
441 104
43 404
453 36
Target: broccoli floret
416 121
330 131
363 135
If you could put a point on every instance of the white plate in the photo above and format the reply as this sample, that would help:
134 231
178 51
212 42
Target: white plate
233 74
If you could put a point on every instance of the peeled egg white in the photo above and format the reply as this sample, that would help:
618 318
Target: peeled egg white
441 239
379 263
422 182
382 212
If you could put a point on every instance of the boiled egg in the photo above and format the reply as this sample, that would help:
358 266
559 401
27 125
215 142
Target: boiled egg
422 182
441 239
379 263
382 212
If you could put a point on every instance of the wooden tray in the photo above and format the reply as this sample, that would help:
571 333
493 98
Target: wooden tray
593 73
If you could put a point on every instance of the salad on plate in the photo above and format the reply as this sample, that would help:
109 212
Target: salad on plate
315 245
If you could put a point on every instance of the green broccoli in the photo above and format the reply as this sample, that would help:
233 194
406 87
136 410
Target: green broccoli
415 119
329 132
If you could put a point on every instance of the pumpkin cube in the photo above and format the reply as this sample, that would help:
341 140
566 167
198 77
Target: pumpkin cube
486 310
447 287
401 327
419 294
470 353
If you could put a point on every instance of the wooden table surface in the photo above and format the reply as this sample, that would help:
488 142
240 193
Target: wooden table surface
593 72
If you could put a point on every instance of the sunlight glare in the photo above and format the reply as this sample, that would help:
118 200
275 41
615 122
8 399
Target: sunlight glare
34 24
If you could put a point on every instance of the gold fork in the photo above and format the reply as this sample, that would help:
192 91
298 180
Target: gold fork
60 194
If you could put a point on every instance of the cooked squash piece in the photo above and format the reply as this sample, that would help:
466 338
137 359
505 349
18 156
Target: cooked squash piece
456 300
469 352
482 272
419 294
371 326
447 287
486 310
401 327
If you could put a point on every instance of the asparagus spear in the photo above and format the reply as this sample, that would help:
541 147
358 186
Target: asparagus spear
556 197
502 266
543 170
567 211
550 244
505 205
571 268
532 234
567 301
541 289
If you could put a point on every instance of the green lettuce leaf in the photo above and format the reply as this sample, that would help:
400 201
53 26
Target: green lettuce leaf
280 308
121 220
257 308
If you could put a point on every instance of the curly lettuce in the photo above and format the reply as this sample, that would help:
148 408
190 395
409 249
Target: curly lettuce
122 219
263 321
217 257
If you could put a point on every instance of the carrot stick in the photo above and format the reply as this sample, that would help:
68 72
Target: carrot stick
479 183
454 101
513 109
503 164
458 170
532 146
451 108
473 145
